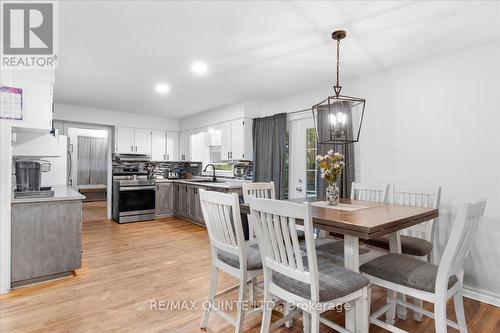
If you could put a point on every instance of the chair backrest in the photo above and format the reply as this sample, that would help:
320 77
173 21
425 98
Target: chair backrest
221 213
418 196
463 232
370 192
258 190
275 227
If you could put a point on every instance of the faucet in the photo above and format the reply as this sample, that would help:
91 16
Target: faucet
213 169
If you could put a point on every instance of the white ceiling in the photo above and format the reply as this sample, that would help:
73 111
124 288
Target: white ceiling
113 52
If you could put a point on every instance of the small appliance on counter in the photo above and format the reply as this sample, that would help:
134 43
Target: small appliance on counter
29 179
240 169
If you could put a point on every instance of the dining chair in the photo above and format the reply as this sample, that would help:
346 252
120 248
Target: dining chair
429 282
416 240
230 253
369 192
313 286
264 190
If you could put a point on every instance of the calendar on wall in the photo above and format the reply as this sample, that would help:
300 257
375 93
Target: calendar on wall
11 103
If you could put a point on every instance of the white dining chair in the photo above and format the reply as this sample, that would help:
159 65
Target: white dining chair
416 240
311 285
435 284
369 192
230 253
263 190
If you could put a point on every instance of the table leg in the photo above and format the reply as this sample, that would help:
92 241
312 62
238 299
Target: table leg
395 247
351 261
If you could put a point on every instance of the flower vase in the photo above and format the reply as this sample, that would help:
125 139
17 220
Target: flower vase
332 194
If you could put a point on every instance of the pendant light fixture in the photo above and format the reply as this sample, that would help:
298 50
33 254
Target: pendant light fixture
338 118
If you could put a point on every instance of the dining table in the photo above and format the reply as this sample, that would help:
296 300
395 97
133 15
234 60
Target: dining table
355 220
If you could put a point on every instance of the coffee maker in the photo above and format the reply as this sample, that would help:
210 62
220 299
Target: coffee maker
29 178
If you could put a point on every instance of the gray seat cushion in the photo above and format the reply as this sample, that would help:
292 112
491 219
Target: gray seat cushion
253 258
331 249
409 245
405 270
334 282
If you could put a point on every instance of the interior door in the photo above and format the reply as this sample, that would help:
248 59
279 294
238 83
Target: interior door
158 151
302 175
142 141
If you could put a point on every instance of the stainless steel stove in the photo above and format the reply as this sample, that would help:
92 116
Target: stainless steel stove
133 199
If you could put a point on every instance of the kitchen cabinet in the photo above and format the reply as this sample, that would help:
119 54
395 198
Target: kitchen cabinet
132 140
195 212
172 146
158 148
164 196
142 141
185 146
236 139
184 199
46 238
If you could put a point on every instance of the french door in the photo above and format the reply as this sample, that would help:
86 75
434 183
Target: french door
302 156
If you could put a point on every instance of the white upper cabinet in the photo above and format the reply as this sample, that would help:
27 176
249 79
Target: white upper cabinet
172 146
225 138
158 149
142 140
185 146
236 139
124 140
132 140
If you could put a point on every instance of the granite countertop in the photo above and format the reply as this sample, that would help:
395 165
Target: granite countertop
228 183
61 193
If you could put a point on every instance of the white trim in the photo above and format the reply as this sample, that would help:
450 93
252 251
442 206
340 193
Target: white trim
482 296
5 202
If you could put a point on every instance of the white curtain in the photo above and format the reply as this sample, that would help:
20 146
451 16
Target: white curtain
92 161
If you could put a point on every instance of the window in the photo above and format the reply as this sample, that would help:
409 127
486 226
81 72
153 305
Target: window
311 167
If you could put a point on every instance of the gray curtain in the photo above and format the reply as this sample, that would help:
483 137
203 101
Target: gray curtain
91 161
269 141
347 150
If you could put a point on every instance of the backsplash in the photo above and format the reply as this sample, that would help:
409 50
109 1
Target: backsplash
194 168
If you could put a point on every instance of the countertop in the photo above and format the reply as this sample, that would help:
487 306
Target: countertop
228 183
61 193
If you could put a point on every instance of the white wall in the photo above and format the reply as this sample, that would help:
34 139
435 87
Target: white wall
247 109
434 122
87 115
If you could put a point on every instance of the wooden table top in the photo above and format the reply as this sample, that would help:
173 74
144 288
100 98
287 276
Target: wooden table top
371 221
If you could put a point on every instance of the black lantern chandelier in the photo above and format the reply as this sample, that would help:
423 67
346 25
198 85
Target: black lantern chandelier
338 118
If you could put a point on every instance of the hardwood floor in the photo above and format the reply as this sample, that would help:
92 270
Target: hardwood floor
126 267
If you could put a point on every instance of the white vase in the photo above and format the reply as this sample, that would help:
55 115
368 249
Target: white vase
332 194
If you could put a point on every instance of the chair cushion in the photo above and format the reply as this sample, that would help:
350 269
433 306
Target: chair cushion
334 282
331 249
253 258
405 270
409 245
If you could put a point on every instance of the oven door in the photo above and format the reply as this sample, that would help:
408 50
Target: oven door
135 200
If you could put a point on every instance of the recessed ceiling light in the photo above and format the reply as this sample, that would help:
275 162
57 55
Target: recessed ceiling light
199 67
162 88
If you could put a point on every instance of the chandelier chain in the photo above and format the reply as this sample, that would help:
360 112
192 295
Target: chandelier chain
338 60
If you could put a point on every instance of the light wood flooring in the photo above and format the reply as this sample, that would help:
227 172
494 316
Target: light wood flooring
126 267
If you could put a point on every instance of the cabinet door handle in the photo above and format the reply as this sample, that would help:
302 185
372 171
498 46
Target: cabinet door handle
168 157
131 148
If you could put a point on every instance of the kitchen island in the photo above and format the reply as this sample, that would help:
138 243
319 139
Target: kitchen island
46 236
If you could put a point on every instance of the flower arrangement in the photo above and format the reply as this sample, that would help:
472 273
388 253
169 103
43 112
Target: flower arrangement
331 166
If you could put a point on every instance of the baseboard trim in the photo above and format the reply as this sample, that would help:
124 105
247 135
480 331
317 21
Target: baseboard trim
481 296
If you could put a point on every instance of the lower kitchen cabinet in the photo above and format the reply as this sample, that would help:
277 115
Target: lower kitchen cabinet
186 202
164 199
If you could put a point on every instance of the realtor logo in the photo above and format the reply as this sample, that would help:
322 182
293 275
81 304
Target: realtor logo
29 35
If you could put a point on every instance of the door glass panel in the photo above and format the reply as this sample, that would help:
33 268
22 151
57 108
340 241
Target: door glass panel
311 168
